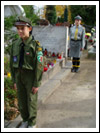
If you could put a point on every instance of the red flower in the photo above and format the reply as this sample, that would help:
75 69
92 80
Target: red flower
45 69
90 40
59 57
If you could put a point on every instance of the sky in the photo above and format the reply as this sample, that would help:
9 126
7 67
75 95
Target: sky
37 7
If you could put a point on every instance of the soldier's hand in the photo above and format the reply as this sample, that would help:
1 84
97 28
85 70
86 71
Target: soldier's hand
34 90
15 87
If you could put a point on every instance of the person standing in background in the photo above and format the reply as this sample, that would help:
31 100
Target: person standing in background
76 43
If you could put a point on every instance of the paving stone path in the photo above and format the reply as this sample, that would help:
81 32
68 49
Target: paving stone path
73 104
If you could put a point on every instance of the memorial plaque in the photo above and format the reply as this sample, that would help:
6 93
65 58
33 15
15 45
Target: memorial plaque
52 38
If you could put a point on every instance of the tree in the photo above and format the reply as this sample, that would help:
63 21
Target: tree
66 15
85 11
88 19
69 14
60 13
60 10
50 14
29 10
9 34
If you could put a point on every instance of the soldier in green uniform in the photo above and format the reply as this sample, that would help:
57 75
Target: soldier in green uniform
76 43
27 65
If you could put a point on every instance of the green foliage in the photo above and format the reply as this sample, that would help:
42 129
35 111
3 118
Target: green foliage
10 100
85 12
9 93
29 10
66 15
51 14
6 65
9 22
60 19
9 35
8 84
88 19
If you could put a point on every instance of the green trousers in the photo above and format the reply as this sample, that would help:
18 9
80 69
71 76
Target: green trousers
27 101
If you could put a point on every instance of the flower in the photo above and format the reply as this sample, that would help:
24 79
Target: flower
9 75
54 61
45 69
87 35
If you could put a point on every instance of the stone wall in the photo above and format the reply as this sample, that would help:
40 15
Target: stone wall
53 38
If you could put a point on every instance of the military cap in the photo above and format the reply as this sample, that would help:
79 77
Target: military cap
78 17
21 20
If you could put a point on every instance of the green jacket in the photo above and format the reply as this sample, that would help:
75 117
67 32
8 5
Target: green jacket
33 59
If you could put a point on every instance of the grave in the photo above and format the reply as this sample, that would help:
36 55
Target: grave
53 38
92 52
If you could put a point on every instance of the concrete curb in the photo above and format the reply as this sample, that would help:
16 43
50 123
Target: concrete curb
45 91
15 123
48 88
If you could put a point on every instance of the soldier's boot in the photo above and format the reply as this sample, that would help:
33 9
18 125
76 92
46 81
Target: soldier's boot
73 69
73 65
77 69
24 124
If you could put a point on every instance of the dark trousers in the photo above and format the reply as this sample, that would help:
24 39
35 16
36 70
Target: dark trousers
76 62
27 101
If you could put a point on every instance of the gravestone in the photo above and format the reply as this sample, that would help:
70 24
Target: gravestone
92 52
52 38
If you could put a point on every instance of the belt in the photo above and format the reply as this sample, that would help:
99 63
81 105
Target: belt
75 40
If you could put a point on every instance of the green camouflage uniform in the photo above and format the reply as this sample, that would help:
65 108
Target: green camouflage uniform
27 76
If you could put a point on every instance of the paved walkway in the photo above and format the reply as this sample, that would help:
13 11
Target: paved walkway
73 103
